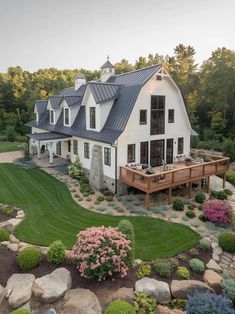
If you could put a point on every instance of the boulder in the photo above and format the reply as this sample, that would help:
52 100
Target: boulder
158 289
2 293
217 251
137 262
212 279
13 247
165 310
20 286
50 288
182 288
213 266
13 239
126 294
81 301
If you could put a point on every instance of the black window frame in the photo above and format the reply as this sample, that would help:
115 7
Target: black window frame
75 147
52 115
171 115
143 116
157 116
107 156
66 119
87 150
144 152
130 153
92 118
180 149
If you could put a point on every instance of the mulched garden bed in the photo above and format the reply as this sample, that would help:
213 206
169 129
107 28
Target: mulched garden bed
4 217
102 289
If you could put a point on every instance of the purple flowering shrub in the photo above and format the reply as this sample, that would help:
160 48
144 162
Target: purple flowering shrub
100 252
217 211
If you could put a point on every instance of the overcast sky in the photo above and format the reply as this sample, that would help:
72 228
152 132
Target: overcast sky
80 33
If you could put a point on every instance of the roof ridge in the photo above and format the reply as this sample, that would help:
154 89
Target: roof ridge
151 66
104 83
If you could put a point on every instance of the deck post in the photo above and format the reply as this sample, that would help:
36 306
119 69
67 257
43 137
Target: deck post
208 185
224 179
169 196
147 200
39 148
190 190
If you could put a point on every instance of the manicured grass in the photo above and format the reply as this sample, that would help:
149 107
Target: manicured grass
51 214
10 146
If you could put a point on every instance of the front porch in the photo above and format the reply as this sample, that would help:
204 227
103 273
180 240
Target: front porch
173 175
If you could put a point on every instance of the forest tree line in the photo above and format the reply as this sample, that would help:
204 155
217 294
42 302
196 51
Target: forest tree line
208 91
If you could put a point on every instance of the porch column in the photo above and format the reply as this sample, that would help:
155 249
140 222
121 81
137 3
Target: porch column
39 156
51 152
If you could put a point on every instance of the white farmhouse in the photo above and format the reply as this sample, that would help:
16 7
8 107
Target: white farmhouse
137 118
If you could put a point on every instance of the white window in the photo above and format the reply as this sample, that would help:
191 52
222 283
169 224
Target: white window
52 117
66 116
37 116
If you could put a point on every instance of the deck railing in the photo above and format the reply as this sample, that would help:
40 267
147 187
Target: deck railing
171 178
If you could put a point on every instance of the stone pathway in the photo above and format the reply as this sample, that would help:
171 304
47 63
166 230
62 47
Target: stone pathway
217 183
10 156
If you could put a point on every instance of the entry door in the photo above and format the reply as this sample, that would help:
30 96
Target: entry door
157 152
169 151
144 153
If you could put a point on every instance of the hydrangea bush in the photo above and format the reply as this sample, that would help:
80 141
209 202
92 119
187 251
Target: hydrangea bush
218 212
100 252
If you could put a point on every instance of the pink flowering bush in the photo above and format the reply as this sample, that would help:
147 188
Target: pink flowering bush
217 211
100 252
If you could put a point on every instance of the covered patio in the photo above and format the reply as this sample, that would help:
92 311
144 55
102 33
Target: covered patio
48 146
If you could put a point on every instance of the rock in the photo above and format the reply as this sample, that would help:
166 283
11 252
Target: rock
214 266
212 279
214 245
228 255
14 222
137 262
26 306
44 249
215 257
126 294
158 289
13 247
182 288
81 301
226 258
165 310
224 266
2 293
13 239
5 243
225 261
50 288
21 286
217 251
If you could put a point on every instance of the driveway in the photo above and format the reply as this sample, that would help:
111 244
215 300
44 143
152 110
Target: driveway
10 156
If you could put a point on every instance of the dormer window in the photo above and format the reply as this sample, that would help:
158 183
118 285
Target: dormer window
92 118
37 117
52 117
66 116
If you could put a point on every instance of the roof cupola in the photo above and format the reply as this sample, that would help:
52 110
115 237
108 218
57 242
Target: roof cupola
107 70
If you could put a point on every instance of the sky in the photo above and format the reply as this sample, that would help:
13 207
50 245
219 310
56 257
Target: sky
69 34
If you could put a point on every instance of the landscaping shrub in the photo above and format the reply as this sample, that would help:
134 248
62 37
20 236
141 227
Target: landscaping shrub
56 253
202 218
92 192
178 304
227 242
183 272
228 288
75 170
228 192
199 207
144 304
197 265
220 195
100 252
193 252
217 211
20 311
191 207
100 198
4 234
86 194
230 177
200 198
190 214
144 270
126 227
178 204
120 209
7 210
233 222
28 258
162 268
205 245
206 303
109 198
120 307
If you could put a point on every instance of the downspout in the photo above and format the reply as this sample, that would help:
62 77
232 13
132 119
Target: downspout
115 167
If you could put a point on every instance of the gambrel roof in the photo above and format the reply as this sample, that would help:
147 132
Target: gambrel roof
123 89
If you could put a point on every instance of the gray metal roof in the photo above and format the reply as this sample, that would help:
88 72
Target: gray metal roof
47 136
40 106
107 64
104 91
70 91
73 100
129 86
55 101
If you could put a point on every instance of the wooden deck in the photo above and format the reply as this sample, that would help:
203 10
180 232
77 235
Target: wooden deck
180 174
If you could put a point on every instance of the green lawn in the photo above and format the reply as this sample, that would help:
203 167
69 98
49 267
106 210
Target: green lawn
10 146
52 214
